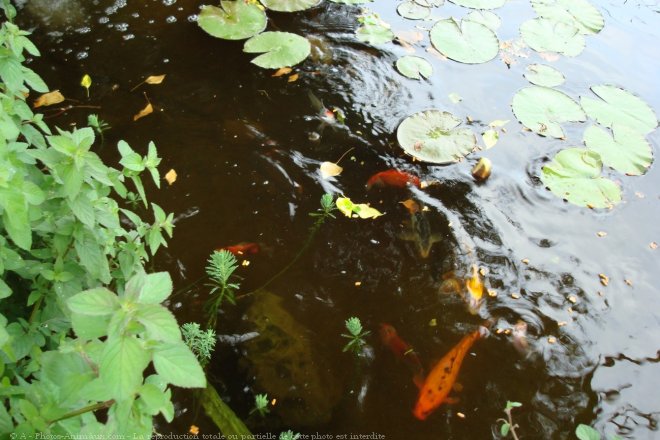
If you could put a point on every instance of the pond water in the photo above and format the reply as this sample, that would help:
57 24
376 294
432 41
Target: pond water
246 148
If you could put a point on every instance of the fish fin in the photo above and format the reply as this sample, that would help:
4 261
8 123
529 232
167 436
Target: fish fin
317 104
452 400
435 238
418 380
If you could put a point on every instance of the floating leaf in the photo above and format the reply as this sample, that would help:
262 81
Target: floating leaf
348 208
144 112
585 432
374 30
351 2
619 106
433 136
414 67
511 50
490 138
413 11
543 75
50 98
487 18
289 5
278 49
330 169
430 3
282 71
154 79
625 150
574 175
455 97
479 4
580 13
293 78
545 35
467 42
233 20
171 176
542 109
86 82
498 123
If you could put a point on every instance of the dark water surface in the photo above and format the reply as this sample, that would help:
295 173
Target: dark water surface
247 171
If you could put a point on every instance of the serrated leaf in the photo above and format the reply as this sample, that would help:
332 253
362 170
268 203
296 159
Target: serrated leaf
176 364
159 323
98 301
121 366
156 288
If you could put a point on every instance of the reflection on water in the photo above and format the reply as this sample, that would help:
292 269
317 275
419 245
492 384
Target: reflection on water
240 142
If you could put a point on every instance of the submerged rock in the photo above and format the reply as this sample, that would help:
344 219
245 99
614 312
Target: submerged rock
288 364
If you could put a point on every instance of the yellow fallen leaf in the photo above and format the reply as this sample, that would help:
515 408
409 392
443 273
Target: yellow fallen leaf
498 123
282 71
292 78
433 322
194 430
490 138
155 79
144 112
170 177
366 211
348 208
330 169
50 98
86 82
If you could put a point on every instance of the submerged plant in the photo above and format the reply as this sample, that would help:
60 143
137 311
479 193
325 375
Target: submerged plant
220 268
508 427
356 335
201 342
98 124
260 405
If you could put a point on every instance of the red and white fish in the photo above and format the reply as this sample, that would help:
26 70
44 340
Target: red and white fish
395 178
403 351
242 248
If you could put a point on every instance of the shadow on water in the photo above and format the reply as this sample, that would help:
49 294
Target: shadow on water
247 146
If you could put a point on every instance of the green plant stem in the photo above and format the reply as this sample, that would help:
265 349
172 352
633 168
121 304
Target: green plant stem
83 410
513 426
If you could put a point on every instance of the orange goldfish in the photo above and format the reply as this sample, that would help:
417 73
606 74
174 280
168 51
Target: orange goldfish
242 248
441 379
474 296
399 179
402 350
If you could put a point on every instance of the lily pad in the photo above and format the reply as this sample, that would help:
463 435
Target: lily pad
574 175
414 67
625 150
468 42
352 2
430 3
545 35
542 109
479 4
434 136
374 30
619 106
413 11
487 18
579 13
278 49
289 5
233 20
543 75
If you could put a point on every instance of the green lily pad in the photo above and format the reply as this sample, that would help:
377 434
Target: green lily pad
543 75
579 13
434 136
468 42
289 5
574 175
413 11
233 20
487 18
545 35
374 30
625 150
352 2
479 4
430 3
414 67
619 106
278 49
542 109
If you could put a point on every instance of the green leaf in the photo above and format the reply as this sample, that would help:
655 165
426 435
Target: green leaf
233 20
289 5
91 257
543 75
15 217
94 302
545 35
504 429
154 400
278 49
71 177
574 175
176 364
160 323
5 291
413 11
90 327
585 432
479 4
579 13
374 30
619 106
542 109
82 208
466 42
156 288
487 18
433 136
348 208
121 366
625 150
414 67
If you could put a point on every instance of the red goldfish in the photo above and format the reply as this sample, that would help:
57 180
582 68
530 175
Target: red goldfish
474 295
402 350
399 179
242 248
441 379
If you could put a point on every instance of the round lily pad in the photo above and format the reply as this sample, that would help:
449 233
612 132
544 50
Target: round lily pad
374 34
430 3
543 75
278 49
625 150
479 4
434 136
352 2
545 35
468 42
580 13
542 109
289 5
233 20
413 11
414 67
574 175
619 106
487 18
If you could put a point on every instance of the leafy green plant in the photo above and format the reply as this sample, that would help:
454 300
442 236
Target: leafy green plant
356 335
586 432
289 435
508 427
201 342
220 268
260 405
98 124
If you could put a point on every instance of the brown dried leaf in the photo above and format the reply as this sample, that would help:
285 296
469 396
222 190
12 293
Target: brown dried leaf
601 233
149 109
293 78
170 177
604 279
330 169
50 98
155 79
282 71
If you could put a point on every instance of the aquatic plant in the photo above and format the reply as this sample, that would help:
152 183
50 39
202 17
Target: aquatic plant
289 435
220 268
201 342
586 432
98 124
356 335
260 405
508 427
